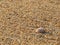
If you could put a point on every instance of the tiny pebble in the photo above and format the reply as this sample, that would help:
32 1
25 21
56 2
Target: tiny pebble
40 30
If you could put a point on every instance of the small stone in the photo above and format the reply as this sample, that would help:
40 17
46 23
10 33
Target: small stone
40 30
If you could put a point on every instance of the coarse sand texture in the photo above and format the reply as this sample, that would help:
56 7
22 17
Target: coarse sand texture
21 19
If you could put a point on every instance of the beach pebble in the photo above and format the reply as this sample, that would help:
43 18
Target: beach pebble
40 30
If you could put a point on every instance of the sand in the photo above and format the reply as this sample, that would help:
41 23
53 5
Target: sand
19 20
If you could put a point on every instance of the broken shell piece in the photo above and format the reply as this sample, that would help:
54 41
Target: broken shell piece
40 30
